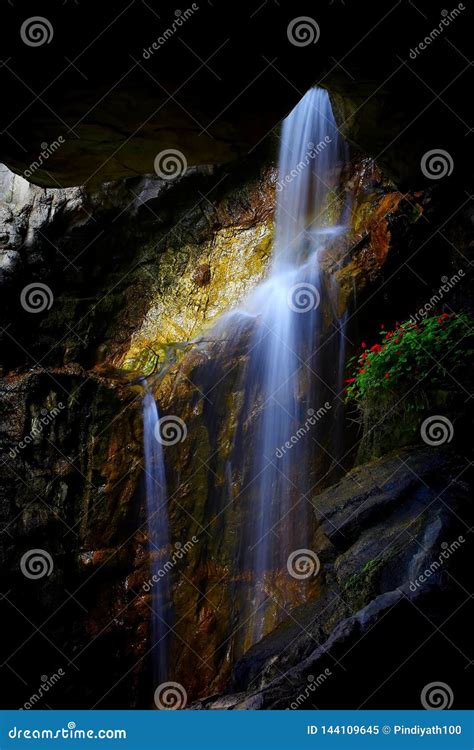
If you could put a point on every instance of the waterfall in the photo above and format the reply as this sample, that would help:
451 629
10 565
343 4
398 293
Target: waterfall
158 537
285 381
291 340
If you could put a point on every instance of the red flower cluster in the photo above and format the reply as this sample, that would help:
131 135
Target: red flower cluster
399 355
398 331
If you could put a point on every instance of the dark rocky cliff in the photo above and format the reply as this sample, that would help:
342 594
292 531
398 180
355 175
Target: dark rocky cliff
74 487
131 268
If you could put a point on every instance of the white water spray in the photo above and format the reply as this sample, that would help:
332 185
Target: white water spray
158 537
283 378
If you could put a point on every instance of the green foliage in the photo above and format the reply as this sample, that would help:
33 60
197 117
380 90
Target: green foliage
370 565
428 351
359 580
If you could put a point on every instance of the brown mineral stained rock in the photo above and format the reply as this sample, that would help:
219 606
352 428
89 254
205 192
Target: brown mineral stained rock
385 523
202 275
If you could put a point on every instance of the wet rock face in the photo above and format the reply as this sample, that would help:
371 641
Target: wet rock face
129 271
202 276
393 543
72 535
72 435
24 210
209 500
136 269
204 388
119 263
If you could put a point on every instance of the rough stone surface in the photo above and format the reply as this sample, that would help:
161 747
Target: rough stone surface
117 259
381 527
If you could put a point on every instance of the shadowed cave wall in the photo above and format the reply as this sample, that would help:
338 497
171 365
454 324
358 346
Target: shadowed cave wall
137 268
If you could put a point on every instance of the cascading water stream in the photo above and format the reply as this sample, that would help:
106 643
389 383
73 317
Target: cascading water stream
283 377
287 376
158 537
